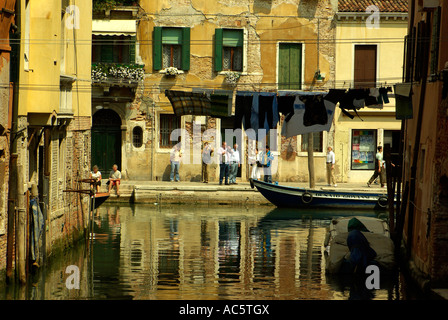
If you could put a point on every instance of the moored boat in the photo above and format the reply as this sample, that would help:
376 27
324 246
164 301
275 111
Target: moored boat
372 238
100 198
296 197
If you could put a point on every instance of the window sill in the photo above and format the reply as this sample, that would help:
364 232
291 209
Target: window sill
224 73
315 153
163 71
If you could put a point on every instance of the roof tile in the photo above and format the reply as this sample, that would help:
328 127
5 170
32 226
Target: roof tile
383 5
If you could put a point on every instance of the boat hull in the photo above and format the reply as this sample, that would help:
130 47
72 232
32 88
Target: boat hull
294 197
100 198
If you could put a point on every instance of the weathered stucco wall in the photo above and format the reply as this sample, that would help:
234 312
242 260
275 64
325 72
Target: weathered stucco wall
265 25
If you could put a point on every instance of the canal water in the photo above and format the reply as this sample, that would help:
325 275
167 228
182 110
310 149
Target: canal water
201 253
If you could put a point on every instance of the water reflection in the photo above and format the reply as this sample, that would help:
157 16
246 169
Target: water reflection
180 252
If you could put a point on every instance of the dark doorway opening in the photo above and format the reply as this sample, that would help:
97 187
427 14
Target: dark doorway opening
106 140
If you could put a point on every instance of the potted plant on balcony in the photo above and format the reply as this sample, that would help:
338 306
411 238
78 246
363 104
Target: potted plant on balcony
232 77
171 71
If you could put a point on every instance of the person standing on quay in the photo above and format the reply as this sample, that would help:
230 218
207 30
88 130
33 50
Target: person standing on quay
224 158
206 160
330 167
267 158
175 156
234 164
379 168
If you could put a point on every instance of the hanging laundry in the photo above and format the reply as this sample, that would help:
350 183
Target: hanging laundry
403 101
315 111
373 97
243 108
353 99
220 101
335 95
220 105
295 125
285 102
268 110
189 103
384 98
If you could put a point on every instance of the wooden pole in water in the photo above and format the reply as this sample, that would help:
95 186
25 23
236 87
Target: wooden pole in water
390 188
311 160
21 227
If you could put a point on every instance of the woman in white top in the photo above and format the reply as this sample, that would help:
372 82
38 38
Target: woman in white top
255 174
97 176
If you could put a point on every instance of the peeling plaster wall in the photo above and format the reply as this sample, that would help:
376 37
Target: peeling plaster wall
265 24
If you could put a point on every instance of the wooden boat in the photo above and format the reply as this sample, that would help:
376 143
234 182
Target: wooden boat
377 234
295 197
100 197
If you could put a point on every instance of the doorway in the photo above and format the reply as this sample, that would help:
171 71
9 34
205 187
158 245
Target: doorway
106 140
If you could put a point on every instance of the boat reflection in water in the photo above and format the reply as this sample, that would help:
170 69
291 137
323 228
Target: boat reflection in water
201 252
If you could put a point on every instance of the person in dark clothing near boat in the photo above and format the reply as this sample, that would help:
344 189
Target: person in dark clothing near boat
361 254
379 168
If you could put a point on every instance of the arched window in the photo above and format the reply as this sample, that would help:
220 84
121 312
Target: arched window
137 137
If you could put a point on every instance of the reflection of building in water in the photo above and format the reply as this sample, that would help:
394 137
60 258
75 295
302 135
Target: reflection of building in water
180 254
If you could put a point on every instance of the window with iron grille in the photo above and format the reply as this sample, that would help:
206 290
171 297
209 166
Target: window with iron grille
137 137
168 123
318 138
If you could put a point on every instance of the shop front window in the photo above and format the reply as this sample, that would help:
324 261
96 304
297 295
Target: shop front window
363 149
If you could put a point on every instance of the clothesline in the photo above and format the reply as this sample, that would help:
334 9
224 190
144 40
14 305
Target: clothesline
304 111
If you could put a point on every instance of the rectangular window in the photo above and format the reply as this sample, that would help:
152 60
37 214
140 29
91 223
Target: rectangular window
290 66
168 122
363 149
318 138
229 48
113 49
365 66
171 48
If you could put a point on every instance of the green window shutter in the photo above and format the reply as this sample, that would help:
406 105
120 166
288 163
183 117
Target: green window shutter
157 48
172 35
132 49
218 49
185 49
233 38
290 66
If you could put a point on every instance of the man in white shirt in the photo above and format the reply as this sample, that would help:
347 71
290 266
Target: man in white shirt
115 179
234 164
224 161
379 168
330 167
175 157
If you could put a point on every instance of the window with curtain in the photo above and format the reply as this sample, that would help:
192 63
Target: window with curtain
171 48
229 44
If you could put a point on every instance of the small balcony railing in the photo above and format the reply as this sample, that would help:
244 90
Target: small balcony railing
115 73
